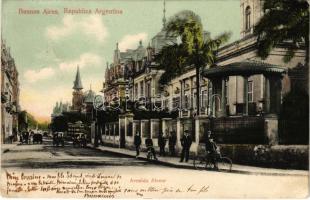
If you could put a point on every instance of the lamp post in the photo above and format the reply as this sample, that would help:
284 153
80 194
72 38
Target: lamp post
98 103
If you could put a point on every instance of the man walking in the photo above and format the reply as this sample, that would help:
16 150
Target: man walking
137 142
186 142
161 144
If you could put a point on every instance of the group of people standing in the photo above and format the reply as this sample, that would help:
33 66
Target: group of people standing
25 137
186 142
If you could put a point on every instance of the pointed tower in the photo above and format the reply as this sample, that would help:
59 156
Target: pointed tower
77 98
77 83
116 55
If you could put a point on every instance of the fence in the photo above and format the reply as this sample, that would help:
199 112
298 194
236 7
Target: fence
239 130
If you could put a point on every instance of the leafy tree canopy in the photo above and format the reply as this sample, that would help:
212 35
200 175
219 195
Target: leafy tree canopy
283 21
196 47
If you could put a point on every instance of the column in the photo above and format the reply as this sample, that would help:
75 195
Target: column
178 134
245 95
267 95
209 96
223 97
197 131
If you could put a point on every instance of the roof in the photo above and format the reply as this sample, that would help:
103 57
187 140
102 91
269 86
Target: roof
247 68
89 96
77 83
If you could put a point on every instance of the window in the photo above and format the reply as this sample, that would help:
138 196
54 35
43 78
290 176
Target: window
204 97
250 91
226 92
186 102
141 89
176 103
166 103
194 101
148 90
248 18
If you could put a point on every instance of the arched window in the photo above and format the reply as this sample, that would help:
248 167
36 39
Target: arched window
248 18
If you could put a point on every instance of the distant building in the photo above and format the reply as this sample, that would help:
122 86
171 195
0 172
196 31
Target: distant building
9 94
81 101
60 107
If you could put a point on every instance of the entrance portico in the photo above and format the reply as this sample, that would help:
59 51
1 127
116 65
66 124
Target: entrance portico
219 77
265 121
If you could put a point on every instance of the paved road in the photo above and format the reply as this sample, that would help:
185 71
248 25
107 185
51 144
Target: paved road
46 158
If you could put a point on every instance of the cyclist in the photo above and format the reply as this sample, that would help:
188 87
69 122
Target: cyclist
211 149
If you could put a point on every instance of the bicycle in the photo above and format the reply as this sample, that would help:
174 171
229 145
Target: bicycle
222 163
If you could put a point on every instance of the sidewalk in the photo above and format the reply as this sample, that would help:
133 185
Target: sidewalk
174 162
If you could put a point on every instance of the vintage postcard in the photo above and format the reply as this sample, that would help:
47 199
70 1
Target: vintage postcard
154 99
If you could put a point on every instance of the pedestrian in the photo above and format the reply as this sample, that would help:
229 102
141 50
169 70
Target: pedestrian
11 137
31 136
21 137
137 142
186 142
26 137
172 142
161 144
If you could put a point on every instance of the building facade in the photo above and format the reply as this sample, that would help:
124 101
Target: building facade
240 96
9 95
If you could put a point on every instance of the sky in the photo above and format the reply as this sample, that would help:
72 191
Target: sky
48 47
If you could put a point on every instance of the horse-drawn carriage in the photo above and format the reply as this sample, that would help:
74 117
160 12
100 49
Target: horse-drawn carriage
79 140
58 139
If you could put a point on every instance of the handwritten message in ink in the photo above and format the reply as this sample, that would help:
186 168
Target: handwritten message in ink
92 185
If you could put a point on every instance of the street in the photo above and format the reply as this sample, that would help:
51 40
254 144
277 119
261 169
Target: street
47 159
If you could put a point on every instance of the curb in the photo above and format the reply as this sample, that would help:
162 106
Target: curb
192 167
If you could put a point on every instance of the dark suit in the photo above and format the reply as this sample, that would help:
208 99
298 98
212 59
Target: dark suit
137 142
161 144
186 142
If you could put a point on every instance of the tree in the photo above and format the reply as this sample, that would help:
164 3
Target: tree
196 48
284 21
294 118
32 122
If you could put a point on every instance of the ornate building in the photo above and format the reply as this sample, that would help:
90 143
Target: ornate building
9 94
134 73
81 101
241 95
